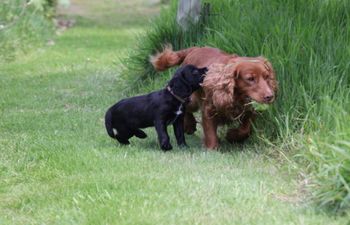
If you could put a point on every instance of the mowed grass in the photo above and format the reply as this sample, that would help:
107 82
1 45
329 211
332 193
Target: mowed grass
58 166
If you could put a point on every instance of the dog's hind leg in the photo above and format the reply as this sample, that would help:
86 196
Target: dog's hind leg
139 133
123 135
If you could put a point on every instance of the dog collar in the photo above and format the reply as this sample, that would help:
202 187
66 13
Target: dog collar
176 96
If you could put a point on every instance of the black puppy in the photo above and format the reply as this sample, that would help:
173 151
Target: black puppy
160 108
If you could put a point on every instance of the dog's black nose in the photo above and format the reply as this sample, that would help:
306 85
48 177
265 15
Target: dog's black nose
268 98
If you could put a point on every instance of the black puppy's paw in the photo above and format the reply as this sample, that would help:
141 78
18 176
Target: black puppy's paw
166 146
183 145
140 134
124 142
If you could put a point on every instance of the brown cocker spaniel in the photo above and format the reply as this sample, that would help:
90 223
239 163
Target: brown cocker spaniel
228 88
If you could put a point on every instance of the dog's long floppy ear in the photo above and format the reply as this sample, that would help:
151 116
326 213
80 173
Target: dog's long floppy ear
219 85
272 82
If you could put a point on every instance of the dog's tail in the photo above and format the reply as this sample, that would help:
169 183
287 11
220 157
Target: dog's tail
168 58
108 124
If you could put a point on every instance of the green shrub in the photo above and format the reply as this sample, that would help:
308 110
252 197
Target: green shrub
23 26
307 41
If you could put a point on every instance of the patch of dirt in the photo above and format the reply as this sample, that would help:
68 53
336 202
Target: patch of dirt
300 193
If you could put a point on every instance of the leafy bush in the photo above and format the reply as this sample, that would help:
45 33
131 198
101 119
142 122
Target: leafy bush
307 41
23 26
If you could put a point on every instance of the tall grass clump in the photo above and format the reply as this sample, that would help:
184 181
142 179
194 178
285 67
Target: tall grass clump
328 154
307 42
164 30
24 25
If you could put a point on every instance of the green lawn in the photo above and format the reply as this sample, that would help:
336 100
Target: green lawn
58 166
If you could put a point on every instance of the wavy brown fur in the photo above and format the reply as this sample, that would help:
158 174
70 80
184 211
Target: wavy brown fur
219 85
168 58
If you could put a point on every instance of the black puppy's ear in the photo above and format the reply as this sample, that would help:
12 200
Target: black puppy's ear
183 77
179 76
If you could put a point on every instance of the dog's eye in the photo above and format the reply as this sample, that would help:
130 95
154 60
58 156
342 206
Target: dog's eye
250 79
195 72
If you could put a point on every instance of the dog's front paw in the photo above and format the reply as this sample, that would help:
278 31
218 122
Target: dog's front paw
166 146
190 124
236 136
